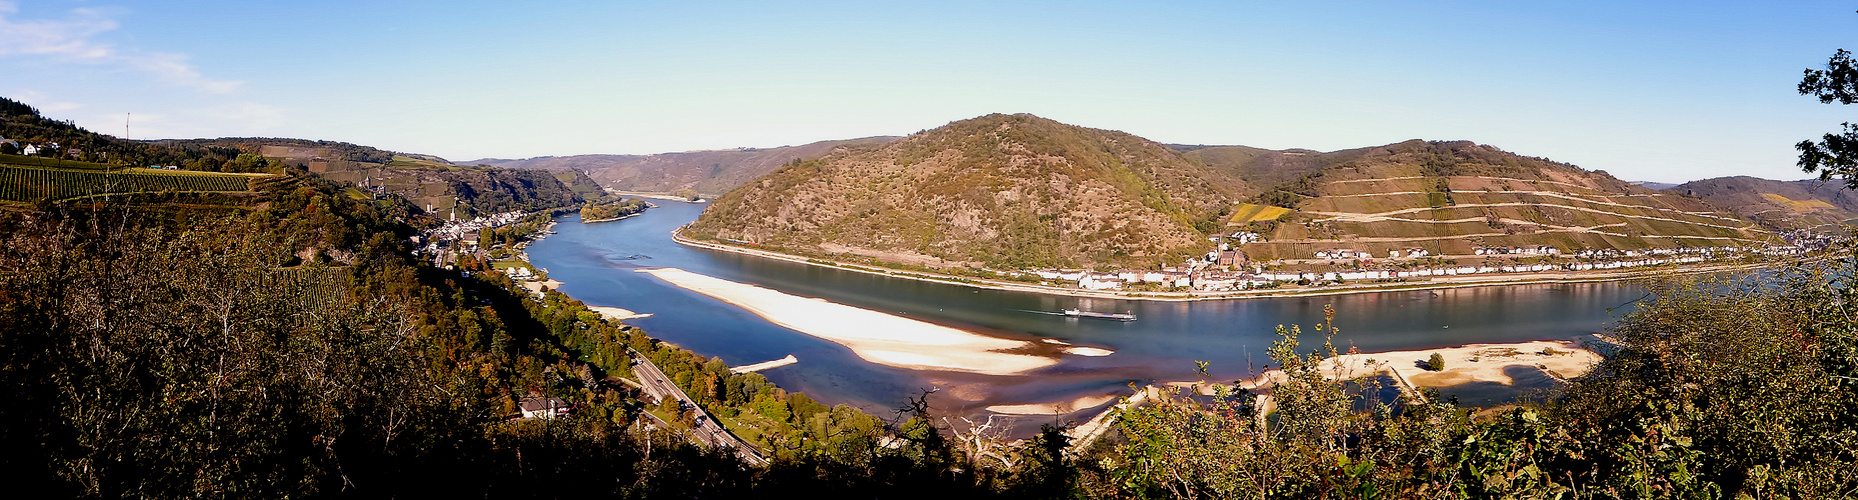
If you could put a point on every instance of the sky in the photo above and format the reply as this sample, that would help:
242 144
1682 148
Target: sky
1652 91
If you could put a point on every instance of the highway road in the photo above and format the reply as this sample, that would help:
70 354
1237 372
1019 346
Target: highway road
707 430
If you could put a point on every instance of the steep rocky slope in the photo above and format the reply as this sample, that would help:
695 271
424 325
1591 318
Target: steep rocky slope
1000 190
1778 205
431 183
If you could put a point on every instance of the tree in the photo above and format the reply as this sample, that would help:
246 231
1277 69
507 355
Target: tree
1436 362
1836 154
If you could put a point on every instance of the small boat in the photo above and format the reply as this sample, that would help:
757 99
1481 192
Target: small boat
1099 315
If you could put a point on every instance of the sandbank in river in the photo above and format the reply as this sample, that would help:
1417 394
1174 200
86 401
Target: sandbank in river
877 337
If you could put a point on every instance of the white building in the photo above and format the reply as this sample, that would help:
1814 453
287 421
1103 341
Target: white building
545 407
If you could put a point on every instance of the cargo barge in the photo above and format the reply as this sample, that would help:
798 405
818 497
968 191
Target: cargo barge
1099 315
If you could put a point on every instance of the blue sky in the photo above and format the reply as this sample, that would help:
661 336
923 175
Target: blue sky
1660 91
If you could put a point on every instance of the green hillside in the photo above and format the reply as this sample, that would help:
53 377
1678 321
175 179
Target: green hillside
430 182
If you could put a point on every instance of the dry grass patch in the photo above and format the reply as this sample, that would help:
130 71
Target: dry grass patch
1251 212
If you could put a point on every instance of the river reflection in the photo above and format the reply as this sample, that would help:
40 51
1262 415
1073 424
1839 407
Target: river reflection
597 262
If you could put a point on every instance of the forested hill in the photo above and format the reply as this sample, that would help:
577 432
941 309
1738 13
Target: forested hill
998 190
1264 168
706 172
430 182
22 125
1779 205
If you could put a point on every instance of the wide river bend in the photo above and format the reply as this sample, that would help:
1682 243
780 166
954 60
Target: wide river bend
598 264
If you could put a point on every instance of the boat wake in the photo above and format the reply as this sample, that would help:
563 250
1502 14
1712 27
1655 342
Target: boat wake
1049 313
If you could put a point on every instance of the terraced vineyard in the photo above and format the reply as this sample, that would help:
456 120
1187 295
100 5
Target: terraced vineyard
1453 198
320 289
34 184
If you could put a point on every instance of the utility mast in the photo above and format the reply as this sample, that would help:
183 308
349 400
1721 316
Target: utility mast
126 125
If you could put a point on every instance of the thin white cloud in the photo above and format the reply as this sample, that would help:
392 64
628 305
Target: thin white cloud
239 119
174 68
75 39
255 118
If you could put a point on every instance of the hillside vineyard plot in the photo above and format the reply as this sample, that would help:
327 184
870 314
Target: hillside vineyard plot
33 184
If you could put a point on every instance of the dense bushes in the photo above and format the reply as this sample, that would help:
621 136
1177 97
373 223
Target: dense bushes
207 358
611 210
1718 389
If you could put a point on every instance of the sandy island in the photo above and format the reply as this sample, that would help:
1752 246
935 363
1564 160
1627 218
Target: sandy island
536 287
877 337
1464 364
1058 408
657 196
617 314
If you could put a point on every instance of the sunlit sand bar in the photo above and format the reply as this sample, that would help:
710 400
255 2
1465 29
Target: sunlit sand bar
877 337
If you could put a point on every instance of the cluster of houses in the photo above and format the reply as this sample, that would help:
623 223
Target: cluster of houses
1811 241
466 231
522 273
1201 275
1411 253
31 149
1534 250
1094 280
460 237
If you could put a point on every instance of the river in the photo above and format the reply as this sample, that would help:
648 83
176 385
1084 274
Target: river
597 264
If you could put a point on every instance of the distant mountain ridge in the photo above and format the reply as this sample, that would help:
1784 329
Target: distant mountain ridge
1779 205
431 183
706 172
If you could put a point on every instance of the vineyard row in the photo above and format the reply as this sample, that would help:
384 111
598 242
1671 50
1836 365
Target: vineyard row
33 184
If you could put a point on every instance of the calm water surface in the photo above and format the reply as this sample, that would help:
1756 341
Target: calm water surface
597 264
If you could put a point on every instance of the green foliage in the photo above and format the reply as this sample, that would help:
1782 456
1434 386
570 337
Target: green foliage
1436 362
1292 193
11 108
39 161
1836 155
611 210
1719 388
212 361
